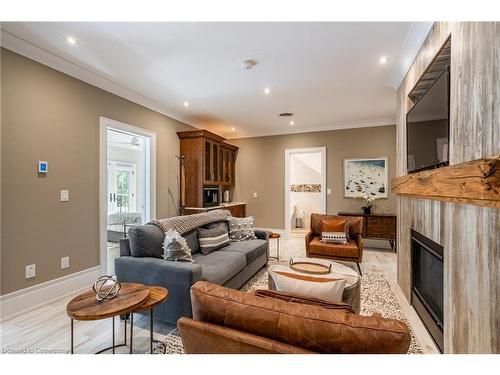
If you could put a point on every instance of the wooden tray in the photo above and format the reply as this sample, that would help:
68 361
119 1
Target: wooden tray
310 267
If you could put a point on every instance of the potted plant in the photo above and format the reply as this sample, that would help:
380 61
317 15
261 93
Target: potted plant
369 199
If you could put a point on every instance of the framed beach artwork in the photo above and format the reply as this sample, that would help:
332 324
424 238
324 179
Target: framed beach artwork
368 176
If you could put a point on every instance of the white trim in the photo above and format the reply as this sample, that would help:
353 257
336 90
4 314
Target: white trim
414 39
34 297
288 154
149 204
388 121
33 52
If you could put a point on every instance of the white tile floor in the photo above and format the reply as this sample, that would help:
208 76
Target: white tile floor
47 329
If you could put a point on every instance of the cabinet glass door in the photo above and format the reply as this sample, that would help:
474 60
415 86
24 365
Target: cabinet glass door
208 162
215 162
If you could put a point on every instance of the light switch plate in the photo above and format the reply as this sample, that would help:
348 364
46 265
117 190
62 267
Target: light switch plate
64 195
255 195
30 271
64 262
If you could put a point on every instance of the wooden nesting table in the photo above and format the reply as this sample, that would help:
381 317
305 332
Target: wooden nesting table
131 298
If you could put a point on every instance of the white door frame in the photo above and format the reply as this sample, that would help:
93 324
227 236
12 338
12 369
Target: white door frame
288 153
150 202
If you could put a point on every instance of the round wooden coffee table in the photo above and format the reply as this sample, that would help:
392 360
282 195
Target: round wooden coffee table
86 307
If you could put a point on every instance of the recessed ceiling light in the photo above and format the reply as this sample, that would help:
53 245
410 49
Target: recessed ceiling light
292 123
71 40
186 104
267 90
248 64
382 60
233 129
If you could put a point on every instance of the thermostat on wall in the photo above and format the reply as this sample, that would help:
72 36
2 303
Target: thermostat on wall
43 167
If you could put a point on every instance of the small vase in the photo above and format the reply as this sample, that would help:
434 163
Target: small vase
367 210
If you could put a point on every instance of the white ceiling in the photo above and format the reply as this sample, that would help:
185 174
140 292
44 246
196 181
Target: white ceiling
327 74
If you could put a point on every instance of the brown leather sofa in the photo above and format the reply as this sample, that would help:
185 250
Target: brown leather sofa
228 321
349 252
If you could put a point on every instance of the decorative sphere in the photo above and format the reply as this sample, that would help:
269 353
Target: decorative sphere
106 287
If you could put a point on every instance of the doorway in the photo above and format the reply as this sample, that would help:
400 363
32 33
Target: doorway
127 185
305 187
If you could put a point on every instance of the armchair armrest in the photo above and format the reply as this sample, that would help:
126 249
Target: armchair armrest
361 245
308 239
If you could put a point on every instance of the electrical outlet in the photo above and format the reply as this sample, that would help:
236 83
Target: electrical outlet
64 262
64 195
329 191
255 195
30 271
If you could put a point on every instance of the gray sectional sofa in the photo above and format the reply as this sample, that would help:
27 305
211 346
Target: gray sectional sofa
141 261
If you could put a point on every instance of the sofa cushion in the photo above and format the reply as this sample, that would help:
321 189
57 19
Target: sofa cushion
192 241
220 266
146 241
309 327
348 250
251 248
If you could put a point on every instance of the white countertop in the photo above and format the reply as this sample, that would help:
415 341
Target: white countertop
216 207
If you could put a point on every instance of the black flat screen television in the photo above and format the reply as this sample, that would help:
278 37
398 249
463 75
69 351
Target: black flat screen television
428 127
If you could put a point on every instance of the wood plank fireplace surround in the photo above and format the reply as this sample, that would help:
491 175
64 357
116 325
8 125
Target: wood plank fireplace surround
456 209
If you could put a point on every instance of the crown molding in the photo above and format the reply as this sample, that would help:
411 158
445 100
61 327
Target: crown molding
413 41
319 128
42 56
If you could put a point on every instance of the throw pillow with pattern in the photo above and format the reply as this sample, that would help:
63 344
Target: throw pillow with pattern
212 239
175 247
241 229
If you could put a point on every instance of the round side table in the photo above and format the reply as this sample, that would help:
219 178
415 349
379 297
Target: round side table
277 236
86 307
157 295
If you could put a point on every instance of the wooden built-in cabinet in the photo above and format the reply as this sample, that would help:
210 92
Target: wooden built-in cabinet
210 162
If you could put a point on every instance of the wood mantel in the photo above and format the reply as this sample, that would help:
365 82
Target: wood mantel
475 182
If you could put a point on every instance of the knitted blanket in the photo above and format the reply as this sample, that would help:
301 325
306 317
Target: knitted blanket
185 224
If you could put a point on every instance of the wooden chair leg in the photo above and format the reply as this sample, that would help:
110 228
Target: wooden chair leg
359 269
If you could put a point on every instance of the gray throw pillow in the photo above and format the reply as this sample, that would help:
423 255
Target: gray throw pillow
212 239
241 229
175 247
218 225
146 241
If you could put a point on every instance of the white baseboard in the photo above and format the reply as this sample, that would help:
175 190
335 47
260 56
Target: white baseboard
24 300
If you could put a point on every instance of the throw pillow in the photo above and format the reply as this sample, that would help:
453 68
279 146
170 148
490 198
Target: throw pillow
334 225
324 288
241 229
175 247
334 237
146 241
212 239
218 225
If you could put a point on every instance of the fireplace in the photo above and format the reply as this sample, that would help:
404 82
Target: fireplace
427 284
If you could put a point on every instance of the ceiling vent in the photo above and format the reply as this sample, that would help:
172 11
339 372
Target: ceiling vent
248 64
285 114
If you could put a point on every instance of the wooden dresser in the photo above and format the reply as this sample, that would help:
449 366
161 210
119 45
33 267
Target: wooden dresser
377 226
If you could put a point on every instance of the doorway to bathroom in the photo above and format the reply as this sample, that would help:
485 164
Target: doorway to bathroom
305 187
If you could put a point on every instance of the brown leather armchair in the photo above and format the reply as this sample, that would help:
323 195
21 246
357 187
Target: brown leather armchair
228 321
349 252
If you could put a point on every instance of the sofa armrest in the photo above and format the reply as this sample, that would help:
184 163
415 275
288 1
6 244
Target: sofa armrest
160 272
262 234
305 300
